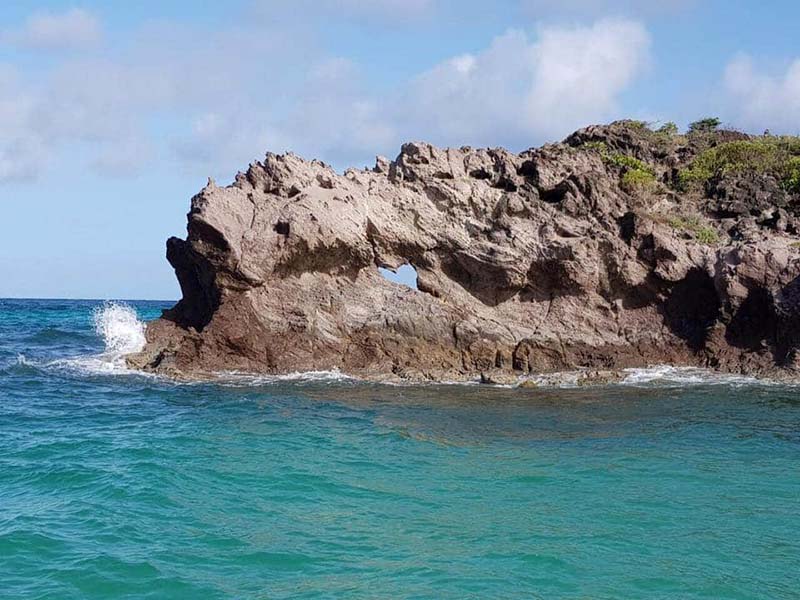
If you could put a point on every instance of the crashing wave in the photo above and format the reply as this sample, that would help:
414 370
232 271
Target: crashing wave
669 375
119 326
122 333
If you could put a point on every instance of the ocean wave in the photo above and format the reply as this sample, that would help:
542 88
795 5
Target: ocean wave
83 366
653 376
51 335
119 326
669 375
122 332
249 379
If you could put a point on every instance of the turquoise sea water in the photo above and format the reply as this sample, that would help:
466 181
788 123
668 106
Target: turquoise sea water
117 485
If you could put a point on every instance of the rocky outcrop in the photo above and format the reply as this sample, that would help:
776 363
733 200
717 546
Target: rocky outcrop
542 261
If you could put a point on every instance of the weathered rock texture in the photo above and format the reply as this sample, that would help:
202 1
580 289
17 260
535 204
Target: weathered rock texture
533 262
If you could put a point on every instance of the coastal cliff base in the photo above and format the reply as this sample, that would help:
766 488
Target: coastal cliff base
612 249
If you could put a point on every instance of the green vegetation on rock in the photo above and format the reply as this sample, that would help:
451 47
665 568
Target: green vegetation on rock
625 161
706 235
791 179
668 129
692 224
638 179
636 124
778 156
637 175
599 147
704 125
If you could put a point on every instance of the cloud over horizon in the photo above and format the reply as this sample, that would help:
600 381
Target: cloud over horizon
526 88
763 100
225 105
74 28
208 101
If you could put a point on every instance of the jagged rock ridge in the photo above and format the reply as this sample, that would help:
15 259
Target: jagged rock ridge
585 253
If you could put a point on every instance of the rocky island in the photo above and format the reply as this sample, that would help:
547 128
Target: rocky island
622 246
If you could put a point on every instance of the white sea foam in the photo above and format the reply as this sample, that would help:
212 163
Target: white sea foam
119 326
122 332
669 375
248 379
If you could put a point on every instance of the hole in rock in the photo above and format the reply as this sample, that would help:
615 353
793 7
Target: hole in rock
406 275
480 173
627 226
528 169
282 227
554 195
505 184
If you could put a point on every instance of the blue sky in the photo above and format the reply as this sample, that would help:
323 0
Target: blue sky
112 115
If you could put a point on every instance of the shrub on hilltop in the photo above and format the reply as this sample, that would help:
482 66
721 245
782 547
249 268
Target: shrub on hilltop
778 156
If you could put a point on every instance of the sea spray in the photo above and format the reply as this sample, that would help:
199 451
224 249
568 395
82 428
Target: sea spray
119 326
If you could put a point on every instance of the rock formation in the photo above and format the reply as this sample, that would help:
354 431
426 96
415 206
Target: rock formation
586 253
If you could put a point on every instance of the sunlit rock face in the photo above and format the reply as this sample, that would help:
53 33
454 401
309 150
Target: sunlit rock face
551 259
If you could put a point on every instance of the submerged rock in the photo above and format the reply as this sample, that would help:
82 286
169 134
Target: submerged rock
543 261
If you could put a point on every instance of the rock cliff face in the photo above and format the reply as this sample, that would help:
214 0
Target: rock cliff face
586 253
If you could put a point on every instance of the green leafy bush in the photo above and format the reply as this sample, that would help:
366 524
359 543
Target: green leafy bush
618 159
704 125
668 129
636 174
628 162
792 178
637 124
638 179
706 235
774 155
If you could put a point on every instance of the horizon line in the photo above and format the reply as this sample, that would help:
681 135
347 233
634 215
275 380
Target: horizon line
88 299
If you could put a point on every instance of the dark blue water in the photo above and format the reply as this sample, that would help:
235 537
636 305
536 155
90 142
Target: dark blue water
117 485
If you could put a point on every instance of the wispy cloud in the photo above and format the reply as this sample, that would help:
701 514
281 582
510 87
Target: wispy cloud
211 101
75 28
398 12
522 88
589 9
759 99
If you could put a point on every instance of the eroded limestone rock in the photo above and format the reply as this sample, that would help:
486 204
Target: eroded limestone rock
527 263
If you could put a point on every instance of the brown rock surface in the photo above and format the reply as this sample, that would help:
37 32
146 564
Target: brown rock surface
533 262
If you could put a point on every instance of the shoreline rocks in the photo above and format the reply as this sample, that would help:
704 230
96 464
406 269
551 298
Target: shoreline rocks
550 260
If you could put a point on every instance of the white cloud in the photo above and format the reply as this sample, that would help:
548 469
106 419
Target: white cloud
384 11
580 72
594 8
126 110
399 7
124 156
520 90
74 28
210 102
760 100
20 152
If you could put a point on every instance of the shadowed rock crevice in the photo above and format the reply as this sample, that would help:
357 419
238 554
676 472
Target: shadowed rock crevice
692 308
585 253
196 277
754 325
